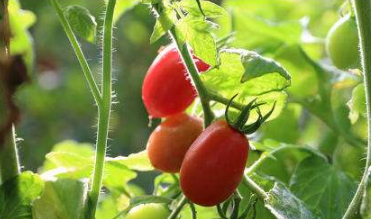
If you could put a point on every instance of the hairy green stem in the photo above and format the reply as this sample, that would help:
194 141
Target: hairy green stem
362 10
174 214
104 111
78 52
193 72
9 162
255 188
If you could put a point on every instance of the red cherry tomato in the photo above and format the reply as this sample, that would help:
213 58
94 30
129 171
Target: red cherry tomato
170 141
166 88
214 164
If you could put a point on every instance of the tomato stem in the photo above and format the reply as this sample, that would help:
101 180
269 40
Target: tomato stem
174 214
363 16
79 53
9 162
193 72
255 188
104 112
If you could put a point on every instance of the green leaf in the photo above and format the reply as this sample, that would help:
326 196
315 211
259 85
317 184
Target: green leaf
357 103
63 198
165 21
81 22
196 32
322 187
247 73
121 7
21 42
283 204
137 161
258 66
72 160
226 79
210 9
17 195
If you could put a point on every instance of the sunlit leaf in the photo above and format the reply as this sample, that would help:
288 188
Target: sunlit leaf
17 195
284 204
81 22
63 198
322 187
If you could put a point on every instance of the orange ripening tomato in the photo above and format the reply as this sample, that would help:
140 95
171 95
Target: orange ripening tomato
214 164
166 88
170 141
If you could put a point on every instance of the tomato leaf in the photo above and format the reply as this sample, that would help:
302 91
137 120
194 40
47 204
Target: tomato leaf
63 198
165 21
17 195
81 22
196 32
210 9
121 7
72 160
258 66
321 194
137 161
284 204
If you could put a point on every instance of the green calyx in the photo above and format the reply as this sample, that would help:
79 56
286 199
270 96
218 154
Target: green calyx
240 123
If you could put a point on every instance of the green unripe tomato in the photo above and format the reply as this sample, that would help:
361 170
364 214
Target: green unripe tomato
342 43
146 211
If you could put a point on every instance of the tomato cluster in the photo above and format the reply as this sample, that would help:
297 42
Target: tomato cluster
211 161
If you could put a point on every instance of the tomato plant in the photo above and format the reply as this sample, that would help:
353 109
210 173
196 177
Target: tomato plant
342 43
262 115
167 89
170 141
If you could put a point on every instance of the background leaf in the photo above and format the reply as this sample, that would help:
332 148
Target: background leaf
81 22
322 187
17 195
63 198
284 204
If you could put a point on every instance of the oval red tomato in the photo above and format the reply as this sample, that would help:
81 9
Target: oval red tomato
170 141
166 89
214 164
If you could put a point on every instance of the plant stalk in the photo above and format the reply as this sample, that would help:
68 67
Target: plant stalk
9 162
104 112
174 214
362 10
79 53
193 72
255 188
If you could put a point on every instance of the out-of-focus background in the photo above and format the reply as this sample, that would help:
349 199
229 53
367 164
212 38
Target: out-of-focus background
57 105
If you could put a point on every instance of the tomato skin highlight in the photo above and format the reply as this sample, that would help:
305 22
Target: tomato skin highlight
166 89
170 141
342 44
214 164
145 211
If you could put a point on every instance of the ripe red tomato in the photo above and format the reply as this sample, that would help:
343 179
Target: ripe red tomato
170 141
214 164
166 88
